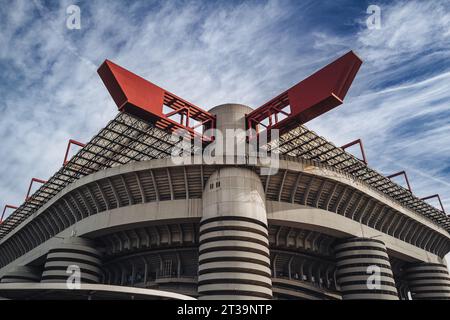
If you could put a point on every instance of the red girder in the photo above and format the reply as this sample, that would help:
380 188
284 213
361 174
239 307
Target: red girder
31 184
401 173
361 147
141 98
317 94
71 141
8 206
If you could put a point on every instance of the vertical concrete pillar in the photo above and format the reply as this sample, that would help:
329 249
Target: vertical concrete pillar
76 253
428 281
234 255
364 270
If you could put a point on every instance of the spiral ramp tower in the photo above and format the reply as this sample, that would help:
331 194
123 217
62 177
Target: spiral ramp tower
136 223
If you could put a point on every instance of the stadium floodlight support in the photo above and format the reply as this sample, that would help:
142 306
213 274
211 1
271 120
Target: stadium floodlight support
319 93
361 147
439 199
8 206
398 174
27 197
71 142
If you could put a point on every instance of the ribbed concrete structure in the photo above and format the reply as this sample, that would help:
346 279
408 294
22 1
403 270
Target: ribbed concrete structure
21 274
234 253
428 281
234 248
315 228
358 260
73 252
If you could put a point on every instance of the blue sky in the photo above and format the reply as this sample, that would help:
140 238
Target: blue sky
214 52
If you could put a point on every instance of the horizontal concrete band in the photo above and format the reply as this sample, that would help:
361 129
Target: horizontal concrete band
250 240
80 248
362 279
61 276
370 296
222 219
234 225
430 281
220 235
222 276
360 250
235 256
355 258
67 256
18 279
356 271
363 261
285 293
71 263
292 289
204 267
237 260
253 247
363 287
21 274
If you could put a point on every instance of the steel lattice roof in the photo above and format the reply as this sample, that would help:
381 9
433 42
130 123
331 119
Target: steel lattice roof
124 139
304 143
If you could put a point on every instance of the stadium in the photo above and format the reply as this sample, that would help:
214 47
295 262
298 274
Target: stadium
315 222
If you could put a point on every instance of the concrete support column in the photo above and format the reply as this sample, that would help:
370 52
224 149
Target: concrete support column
234 247
76 252
364 270
428 281
21 274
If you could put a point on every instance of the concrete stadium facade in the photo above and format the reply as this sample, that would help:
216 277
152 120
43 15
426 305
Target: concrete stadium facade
228 232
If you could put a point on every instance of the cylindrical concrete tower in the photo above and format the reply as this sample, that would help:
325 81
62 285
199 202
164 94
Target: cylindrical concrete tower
234 260
21 274
428 281
364 270
75 252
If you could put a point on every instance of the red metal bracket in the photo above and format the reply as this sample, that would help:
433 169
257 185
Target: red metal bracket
398 174
68 148
145 100
317 94
439 199
361 147
31 184
8 206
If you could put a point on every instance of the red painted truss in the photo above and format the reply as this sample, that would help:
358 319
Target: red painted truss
143 99
8 206
317 94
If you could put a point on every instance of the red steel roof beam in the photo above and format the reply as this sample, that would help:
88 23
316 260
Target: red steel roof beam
31 184
361 147
317 94
8 206
145 100
439 199
404 174
71 141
